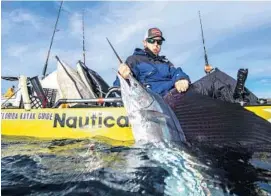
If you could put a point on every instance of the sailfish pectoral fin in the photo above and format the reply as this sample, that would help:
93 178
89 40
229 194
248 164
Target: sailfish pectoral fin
155 116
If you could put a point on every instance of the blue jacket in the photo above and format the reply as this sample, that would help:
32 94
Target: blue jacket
154 72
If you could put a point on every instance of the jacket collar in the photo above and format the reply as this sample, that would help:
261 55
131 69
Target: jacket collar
147 52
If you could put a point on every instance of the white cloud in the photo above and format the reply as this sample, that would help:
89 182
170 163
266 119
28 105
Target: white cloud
22 16
17 51
266 81
263 94
76 24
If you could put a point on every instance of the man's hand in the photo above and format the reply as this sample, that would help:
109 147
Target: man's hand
124 70
182 85
208 68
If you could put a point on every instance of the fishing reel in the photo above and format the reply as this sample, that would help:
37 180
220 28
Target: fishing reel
239 92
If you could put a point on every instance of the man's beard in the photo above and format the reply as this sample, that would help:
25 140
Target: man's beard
150 52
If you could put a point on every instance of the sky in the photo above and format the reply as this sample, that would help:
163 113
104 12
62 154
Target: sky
237 35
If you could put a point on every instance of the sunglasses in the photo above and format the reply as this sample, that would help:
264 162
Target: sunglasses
152 41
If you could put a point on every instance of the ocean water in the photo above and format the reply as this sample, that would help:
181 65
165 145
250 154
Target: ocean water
75 167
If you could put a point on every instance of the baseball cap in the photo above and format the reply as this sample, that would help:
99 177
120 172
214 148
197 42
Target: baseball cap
154 32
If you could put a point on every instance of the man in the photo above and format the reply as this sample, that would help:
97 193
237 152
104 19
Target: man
204 118
10 92
154 71
159 74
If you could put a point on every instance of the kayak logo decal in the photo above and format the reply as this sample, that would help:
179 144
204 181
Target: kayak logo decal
27 116
92 121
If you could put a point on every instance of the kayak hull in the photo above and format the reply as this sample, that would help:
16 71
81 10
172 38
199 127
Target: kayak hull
262 111
110 124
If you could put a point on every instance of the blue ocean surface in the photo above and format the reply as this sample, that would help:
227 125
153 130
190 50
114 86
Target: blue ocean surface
86 167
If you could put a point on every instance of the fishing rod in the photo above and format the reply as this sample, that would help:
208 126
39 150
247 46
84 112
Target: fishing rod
83 29
114 51
203 41
52 39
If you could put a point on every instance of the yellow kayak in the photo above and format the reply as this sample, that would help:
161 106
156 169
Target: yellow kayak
108 124
262 111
